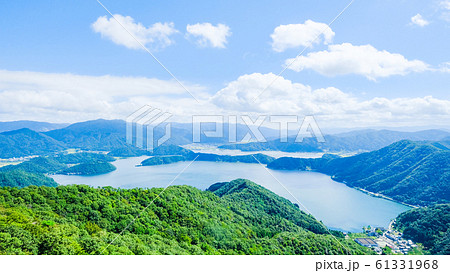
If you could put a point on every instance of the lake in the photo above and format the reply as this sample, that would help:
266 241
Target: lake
335 204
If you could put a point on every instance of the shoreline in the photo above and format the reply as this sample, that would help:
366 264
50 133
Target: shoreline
379 195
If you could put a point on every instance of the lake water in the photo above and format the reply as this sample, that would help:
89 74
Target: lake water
335 204
213 149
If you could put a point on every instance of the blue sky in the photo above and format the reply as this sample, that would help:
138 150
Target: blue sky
49 39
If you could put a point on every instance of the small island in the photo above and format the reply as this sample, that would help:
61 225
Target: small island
168 159
93 168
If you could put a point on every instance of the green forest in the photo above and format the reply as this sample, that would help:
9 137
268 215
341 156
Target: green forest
188 156
89 169
429 226
238 217
32 172
416 173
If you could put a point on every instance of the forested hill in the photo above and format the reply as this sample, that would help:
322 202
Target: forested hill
93 135
412 172
77 219
260 199
25 142
428 226
32 172
89 169
22 179
254 158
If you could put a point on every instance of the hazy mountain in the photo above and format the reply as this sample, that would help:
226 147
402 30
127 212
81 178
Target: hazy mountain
25 142
94 135
355 141
241 132
110 134
32 125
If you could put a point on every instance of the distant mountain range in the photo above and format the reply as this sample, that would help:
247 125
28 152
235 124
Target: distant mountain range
102 135
416 173
32 125
110 135
92 135
356 141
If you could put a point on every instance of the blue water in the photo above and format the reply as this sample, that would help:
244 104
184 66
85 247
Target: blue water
335 204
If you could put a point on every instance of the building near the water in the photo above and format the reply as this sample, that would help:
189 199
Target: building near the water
367 242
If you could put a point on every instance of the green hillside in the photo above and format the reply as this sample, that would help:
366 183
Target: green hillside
25 142
103 135
22 179
242 218
428 226
93 168
412 172
172 154
37 165
163 160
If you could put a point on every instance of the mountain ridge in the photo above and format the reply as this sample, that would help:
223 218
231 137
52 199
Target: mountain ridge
412 172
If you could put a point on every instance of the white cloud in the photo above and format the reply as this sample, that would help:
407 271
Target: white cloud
362 60
444 67
330 105
156 35
68 97
209 35
445 10
445 4
295 35
419 20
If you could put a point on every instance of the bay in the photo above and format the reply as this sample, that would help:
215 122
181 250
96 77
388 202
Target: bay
336 205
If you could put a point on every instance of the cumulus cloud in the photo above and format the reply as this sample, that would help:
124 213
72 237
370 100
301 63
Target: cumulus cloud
295 35
419 20
209 35
362 60
327 104
157 35
68 97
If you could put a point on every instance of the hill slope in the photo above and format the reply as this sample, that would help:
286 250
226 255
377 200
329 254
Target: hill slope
92 168
79 219
411 172
93 135
428 226
25 142
20 179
